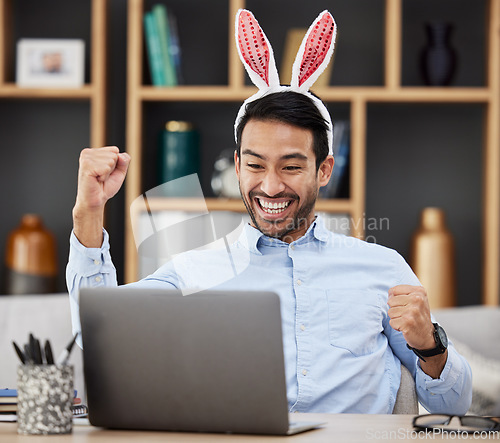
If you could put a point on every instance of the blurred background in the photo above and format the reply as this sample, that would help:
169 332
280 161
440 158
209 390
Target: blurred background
418 155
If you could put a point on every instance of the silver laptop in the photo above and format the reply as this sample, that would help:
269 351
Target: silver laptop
207 362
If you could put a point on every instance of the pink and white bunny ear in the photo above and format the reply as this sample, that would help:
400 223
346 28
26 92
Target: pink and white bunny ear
255 51
315 52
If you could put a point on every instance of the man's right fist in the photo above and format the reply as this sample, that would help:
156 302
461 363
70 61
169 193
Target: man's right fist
101 175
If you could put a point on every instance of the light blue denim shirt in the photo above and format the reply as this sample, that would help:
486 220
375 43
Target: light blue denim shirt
341 354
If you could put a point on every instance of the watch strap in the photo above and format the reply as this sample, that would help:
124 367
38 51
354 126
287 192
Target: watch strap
440 348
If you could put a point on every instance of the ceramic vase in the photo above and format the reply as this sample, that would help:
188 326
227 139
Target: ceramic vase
179 155
30 258
432 258
438 58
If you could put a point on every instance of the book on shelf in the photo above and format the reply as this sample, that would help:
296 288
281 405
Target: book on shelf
162 46
163 28
341 149
174 46
153 49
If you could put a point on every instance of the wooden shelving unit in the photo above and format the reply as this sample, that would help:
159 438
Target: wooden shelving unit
357 97
94 92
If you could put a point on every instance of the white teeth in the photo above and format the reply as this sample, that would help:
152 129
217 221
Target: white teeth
273 207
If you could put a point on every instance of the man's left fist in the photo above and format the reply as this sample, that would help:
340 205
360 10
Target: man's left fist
410 313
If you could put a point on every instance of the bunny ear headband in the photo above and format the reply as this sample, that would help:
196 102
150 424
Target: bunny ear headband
313 56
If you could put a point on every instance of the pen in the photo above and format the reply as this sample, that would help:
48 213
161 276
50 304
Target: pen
35 350
27 353
38 352
49 358
19 353
63 357
31 347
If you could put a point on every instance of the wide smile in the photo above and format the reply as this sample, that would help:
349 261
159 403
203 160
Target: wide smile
273 208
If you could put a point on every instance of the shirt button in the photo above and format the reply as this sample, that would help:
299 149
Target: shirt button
292 247
97 262
98 279
302 327
299 281
304 372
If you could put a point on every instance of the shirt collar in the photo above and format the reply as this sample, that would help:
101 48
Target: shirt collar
250 237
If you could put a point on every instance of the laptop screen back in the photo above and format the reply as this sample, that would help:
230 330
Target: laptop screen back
210 362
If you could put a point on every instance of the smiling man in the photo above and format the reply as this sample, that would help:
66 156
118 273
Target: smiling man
352 312
281 162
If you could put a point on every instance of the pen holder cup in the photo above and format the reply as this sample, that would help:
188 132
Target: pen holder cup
45 396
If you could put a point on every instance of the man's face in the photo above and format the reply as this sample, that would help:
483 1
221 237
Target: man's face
278 179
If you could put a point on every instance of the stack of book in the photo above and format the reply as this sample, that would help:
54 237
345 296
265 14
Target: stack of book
8 404
8 400
162 46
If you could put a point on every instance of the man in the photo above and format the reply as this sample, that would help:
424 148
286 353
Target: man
349 308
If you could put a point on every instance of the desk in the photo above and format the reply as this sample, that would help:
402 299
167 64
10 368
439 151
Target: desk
345 428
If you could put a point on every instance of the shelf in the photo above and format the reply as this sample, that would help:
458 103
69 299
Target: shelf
235 205
49 125
195 93
94 92
407 94
357 98
331 94
11 90
225 93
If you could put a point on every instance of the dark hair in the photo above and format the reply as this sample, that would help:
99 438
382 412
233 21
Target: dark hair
288 107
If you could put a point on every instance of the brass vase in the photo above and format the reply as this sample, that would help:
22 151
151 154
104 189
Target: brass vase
433 258
30 258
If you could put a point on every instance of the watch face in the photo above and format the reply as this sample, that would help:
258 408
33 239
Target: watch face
442 336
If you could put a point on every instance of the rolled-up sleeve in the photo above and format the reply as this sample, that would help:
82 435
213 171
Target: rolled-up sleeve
451 393
87 267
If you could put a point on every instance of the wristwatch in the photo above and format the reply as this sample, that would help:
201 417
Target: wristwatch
441 344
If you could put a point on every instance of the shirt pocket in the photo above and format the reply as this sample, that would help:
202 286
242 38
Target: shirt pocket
355 321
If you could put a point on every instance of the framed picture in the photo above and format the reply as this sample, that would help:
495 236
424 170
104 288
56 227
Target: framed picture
50 63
